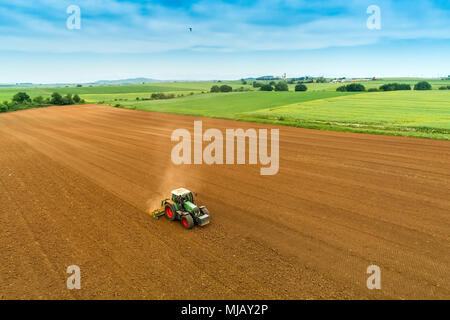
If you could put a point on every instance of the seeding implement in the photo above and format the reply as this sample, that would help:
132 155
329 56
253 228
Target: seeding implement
181 206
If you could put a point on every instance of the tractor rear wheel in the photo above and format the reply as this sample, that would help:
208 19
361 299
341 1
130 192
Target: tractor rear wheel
170 211
187 221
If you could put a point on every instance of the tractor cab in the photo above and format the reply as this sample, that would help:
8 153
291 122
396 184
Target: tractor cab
182 195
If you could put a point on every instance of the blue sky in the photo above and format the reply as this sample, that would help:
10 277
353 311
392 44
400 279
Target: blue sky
229 39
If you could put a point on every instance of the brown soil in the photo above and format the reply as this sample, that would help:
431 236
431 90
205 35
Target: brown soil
76 184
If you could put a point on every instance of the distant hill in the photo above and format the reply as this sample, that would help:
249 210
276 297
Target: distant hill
123 81
262 78
19 85
96 83
267 78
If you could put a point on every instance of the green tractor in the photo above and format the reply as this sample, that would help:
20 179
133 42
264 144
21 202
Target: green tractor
183 208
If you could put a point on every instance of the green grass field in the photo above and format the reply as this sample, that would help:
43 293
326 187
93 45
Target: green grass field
423 114
229 105
436 83
105 93
412 113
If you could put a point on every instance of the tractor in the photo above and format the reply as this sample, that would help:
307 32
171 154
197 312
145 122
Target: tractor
181 206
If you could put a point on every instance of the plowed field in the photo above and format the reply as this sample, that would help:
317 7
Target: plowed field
77 182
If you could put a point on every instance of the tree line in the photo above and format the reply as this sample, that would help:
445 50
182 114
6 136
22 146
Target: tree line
22 100
270 86
227 88
355 87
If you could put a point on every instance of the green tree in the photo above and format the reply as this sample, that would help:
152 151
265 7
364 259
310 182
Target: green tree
266 87
387 87
257 84
3 107
67 99
21 97
225 88
395 86
243 81
56 99
422 85
215 88
38 100
301 87
76 98
158 96
355 87
281 86
403 86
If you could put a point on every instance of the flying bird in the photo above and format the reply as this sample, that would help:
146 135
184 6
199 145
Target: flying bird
190 29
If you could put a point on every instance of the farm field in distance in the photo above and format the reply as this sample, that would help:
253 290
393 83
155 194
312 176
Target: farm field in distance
416 113
112 91
424 114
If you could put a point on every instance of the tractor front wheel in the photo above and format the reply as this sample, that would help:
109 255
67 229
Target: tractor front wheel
170 211
187 221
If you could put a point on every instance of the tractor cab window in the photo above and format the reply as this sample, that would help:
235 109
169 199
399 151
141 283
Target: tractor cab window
188 197
182 198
